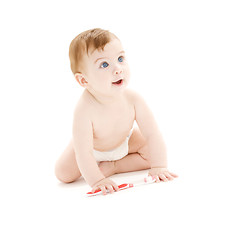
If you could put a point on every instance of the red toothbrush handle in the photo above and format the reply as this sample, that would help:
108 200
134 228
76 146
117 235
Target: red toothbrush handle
121 187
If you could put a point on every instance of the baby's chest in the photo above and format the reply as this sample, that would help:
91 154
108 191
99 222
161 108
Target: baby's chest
113 123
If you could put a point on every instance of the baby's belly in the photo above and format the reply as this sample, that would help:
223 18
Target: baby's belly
109 143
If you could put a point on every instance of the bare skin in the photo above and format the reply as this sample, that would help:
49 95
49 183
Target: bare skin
67 170
103 118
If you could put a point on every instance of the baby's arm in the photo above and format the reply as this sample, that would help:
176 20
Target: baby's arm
83 147
155 142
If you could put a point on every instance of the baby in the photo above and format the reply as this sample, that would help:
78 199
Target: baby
104 140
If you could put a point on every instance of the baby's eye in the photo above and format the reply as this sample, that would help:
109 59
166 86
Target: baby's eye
104 65
120 59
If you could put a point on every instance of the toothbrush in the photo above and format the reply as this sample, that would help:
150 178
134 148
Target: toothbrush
123 186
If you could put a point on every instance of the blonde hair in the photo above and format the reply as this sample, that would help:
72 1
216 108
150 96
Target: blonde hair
95 38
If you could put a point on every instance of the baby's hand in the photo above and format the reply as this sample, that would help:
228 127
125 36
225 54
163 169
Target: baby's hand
161 174
105 184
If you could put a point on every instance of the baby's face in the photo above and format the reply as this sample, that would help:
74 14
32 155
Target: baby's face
107 71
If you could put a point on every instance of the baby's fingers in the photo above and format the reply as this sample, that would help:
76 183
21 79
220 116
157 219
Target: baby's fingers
169 176
115 186
97 188
163 177
110 188
173 174
103 189
157 180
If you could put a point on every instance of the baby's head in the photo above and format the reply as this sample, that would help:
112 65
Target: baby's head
82 44
98 61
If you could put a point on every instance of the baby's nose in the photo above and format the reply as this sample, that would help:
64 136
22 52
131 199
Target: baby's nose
117 71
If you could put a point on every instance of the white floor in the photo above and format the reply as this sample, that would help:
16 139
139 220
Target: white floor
197 205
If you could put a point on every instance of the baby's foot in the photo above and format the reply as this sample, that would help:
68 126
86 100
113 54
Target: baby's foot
107 168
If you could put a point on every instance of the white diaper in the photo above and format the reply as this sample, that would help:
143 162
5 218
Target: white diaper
114 154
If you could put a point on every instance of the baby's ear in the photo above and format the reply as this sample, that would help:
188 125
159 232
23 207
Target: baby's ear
81 79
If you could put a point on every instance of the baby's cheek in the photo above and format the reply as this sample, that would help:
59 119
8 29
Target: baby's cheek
127 72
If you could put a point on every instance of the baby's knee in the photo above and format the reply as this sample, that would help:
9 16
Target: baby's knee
64 175
65 178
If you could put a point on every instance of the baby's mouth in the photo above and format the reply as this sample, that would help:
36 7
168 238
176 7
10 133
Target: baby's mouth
119 82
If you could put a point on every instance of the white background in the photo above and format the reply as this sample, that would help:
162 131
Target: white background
180 55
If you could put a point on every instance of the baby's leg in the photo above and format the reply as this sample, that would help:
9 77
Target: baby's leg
107 168
137 158
66 169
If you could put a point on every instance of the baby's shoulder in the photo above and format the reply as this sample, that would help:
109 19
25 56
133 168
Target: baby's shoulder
132 95
84 105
